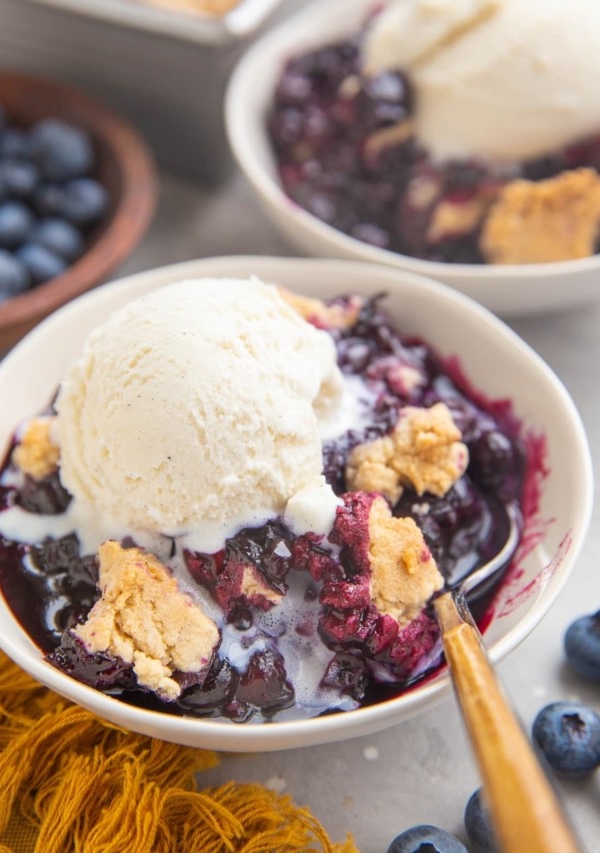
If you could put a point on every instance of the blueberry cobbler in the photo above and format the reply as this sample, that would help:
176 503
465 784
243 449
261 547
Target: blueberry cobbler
452 132
285 619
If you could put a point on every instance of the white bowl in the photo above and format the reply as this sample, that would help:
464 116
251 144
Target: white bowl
506 290
494 360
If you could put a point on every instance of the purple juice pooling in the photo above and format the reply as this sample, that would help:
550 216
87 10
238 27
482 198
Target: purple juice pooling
325 647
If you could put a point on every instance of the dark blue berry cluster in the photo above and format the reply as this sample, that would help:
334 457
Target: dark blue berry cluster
49 200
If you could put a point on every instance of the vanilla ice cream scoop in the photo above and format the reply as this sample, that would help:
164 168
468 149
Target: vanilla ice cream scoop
197 410
499 79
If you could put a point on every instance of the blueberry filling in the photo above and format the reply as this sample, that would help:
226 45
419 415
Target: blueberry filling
369 656
346 155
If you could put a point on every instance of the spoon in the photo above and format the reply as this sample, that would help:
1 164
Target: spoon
525 811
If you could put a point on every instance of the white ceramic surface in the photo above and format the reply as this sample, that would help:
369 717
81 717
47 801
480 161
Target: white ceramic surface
494 360
506 290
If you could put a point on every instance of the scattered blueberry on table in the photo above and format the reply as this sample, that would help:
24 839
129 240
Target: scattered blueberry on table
426 839
582 646
478 824
568 733
49 201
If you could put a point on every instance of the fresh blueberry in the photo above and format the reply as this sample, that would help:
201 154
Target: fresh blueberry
426 839
19 177
60 237
16 223
14 144
14 278
48 199
582 646
568 733
41 263
61 150
85 201
478 824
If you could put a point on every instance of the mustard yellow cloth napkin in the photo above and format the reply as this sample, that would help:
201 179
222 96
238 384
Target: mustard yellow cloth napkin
72 783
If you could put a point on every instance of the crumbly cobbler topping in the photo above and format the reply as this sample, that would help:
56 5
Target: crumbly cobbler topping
452 219
144 618
553 220
330 316
37 454
404 575
424 451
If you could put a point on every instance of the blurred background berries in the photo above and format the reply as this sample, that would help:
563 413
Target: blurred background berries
49 201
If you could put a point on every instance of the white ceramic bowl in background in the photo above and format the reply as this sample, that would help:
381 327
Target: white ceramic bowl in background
494 360
506 290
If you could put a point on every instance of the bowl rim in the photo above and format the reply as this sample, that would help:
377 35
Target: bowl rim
131 215
273 46
278 735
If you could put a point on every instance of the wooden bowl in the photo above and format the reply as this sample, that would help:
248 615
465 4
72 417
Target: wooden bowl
124 166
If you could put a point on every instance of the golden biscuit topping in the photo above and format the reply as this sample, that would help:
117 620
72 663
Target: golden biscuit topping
145 619
404 575
317 312
451 219
253 585
36 453
541 221
423 451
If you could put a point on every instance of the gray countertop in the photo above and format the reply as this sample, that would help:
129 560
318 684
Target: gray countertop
420 771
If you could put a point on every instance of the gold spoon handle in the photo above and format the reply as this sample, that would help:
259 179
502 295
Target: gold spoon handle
524 808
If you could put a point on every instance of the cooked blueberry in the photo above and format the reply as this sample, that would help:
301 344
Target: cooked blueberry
44 497
100 670
16 224
55 555
582 646
348 673
568 733
41 262
426 839
216 691
386 99
61 150
495 459
85 201
19 177
478 824
60 237
264 684
241 618
14 278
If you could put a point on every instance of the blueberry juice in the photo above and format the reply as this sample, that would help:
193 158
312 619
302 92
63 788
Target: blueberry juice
307 624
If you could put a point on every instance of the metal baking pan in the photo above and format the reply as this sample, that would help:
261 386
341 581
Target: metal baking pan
164 70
